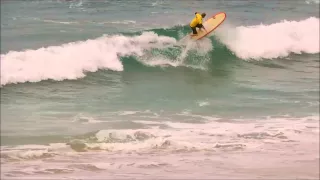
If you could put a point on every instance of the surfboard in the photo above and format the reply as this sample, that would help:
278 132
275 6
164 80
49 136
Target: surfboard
210 24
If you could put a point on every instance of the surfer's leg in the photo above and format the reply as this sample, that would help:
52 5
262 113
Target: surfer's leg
194 30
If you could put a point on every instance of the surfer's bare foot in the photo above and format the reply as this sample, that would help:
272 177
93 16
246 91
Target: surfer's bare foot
193 34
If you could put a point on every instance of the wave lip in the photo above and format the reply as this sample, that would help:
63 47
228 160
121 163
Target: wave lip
274 40
72 60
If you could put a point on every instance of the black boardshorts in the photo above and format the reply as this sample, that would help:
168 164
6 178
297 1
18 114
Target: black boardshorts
194 30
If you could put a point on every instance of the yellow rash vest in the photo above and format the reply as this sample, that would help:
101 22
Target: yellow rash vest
196 20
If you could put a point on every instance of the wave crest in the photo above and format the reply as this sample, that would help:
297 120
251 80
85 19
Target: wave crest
72 60
272 41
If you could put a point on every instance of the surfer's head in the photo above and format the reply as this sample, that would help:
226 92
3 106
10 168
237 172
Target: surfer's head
203 15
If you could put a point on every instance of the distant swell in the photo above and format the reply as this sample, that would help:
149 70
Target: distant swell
72 60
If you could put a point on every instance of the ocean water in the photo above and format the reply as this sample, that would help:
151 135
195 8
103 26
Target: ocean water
94 89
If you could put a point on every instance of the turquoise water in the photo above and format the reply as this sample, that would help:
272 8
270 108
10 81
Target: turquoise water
96 89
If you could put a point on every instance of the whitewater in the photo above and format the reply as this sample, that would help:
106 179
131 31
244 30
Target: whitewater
72 60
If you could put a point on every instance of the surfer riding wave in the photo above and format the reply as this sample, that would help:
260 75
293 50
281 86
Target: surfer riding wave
197 23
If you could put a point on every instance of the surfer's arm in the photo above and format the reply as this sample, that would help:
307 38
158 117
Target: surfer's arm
201 26
204 28
200 22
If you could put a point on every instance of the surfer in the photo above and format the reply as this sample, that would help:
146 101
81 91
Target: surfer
197 23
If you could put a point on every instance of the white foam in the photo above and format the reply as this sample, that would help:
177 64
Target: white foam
72 60
228 144
312 1
84 119
124 113
188 47
202 46
203 103
59 22
274 40
247 135
158 2
161 61
76 4
184 136
148 122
